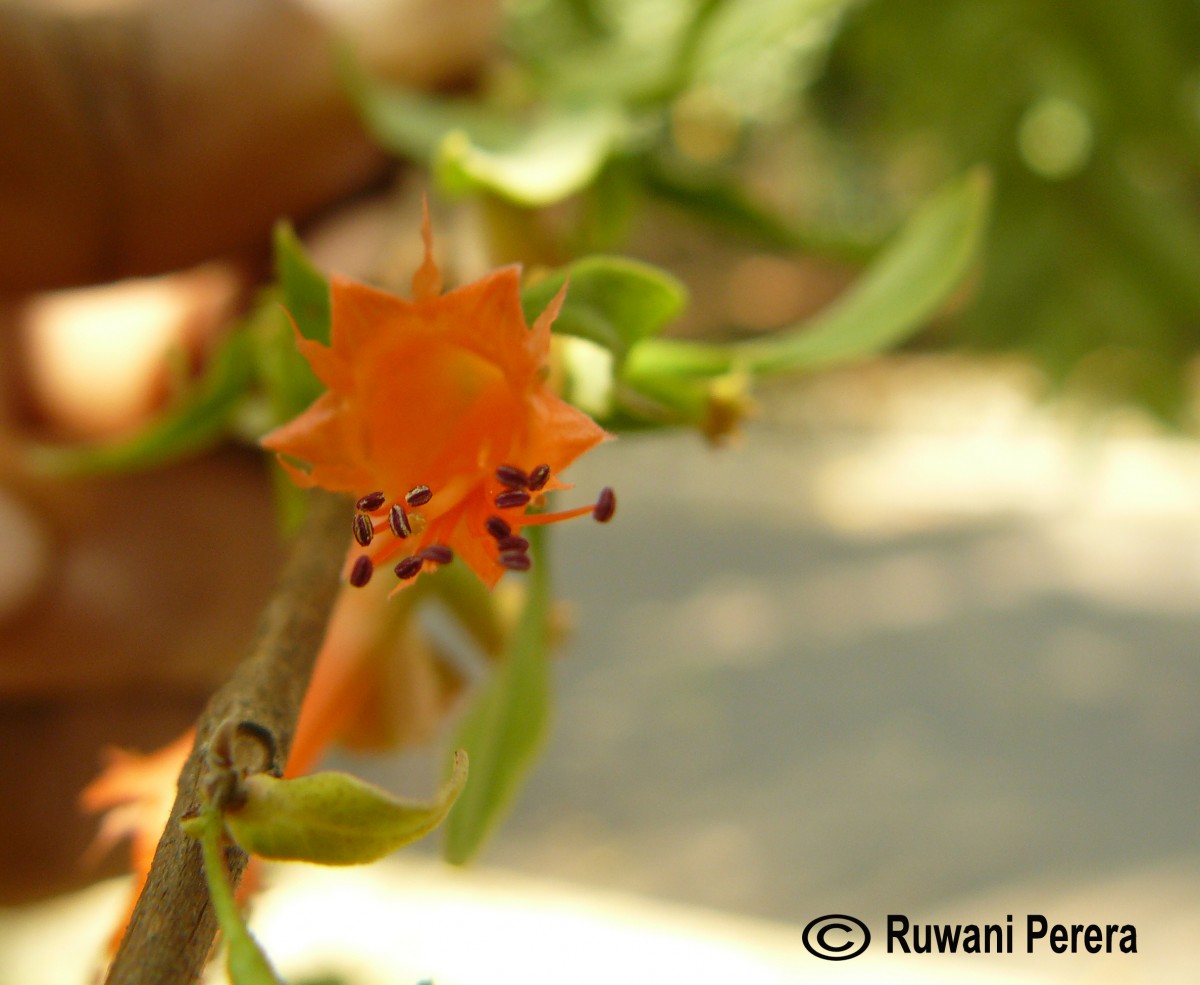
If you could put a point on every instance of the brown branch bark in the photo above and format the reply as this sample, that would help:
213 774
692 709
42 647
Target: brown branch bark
172 927
150 135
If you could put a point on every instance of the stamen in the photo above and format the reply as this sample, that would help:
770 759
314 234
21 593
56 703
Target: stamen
409 567
512 543
418 496
364 530
606 505
398 521
371 502
498 527
361 573
539 477
511 498
436 554
536 519
511 476
602 511
515 560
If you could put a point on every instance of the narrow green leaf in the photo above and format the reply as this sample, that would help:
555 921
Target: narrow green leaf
507 724
334 818
899 292
305 289
612 301
196 420
726 204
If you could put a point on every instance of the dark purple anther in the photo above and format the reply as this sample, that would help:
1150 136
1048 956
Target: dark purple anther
511 498
539 477
418 496
606 505
364 530
371 502
497 526
436 554
398 521
511 476
409 567
513 543
515 560
361 573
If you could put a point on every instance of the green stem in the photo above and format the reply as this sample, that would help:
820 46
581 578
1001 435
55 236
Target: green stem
246 962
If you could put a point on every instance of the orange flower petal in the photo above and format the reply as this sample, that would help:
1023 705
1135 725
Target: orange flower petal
436 392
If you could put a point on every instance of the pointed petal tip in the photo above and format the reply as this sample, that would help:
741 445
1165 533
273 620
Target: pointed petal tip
427 281
543 321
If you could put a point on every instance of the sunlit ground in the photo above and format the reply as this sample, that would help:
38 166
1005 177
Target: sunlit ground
918 645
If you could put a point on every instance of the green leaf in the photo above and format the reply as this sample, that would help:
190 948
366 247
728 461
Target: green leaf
540 163
195 421
507 724
612 301
530 160
412 123
726 204
334 818
305 291
261 348
899 292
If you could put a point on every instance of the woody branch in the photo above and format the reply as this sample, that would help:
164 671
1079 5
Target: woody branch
171 931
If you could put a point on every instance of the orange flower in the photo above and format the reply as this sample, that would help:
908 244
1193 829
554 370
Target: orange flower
439 418
135 793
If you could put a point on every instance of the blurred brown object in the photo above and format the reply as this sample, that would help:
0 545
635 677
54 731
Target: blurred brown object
142 136
147 590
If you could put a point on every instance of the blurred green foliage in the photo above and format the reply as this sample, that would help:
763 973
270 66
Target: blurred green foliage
1088 115
607 101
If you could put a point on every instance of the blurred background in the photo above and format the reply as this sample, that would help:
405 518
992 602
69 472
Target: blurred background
919 639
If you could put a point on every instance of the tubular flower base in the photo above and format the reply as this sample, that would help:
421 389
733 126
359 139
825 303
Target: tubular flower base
438 417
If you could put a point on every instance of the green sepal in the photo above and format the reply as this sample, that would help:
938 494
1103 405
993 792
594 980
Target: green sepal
612 301
286 381
305 290
333 818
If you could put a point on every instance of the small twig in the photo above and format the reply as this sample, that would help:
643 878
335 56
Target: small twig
173 926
